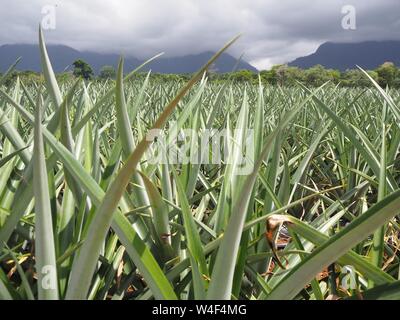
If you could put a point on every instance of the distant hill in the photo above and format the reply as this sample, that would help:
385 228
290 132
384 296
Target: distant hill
63 56
342 56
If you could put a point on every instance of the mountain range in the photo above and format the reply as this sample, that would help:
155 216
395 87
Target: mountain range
368 55
63 56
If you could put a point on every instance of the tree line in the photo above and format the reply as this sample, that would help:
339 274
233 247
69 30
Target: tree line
386 74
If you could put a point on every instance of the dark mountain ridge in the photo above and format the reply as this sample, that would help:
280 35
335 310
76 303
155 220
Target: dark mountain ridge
368 55
63 56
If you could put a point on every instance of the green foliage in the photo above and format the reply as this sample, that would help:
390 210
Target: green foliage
242 75
107 72
318 75
356 78
387 74
82 69
283 75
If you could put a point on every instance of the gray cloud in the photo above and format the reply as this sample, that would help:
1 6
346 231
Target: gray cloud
274 31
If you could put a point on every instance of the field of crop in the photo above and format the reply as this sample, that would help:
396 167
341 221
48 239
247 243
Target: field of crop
86 212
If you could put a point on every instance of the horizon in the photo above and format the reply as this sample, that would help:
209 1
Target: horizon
164 56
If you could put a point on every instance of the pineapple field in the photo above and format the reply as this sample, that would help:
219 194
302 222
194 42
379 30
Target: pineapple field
88 209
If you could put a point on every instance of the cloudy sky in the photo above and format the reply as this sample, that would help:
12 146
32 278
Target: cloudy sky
274 31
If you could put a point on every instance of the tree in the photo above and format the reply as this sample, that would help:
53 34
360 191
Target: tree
279 74
387 73
107 72
356 78
282 75
267 76
334 75
294 74
242 75
82 69
318 75
396 82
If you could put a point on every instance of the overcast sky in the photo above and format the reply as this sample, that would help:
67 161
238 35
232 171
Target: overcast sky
274 31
